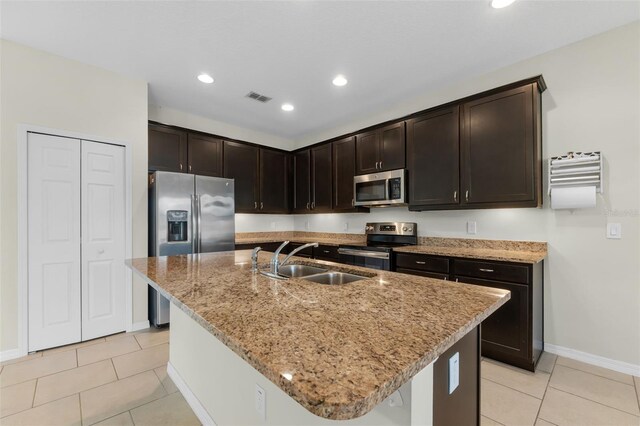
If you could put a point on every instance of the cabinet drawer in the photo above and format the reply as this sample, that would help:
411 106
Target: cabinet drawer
423 273
492 270
308 252
325 252
422 262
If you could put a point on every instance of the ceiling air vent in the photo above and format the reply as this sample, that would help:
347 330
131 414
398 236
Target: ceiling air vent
258 97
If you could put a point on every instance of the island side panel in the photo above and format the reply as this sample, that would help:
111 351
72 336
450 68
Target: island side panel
224 385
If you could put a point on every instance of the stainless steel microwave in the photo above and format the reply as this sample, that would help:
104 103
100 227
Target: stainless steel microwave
380 189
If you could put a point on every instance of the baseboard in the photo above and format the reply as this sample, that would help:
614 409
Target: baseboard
140 325
600 361
193 401
10 354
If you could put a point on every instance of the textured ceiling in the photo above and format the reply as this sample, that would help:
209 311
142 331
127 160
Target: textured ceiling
389 51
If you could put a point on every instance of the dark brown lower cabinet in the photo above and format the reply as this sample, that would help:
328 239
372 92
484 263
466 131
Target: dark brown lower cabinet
462 406
514 333
270 246
325 252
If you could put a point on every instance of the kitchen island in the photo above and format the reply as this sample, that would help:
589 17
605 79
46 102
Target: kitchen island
318 353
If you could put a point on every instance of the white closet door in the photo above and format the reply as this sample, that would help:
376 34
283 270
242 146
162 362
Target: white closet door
103 240
54 241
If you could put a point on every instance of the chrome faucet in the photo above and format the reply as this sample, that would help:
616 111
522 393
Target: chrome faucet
254 259
275 260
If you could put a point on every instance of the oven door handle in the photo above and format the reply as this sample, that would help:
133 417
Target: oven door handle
363 253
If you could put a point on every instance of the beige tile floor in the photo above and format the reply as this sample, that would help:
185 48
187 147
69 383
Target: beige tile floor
122 380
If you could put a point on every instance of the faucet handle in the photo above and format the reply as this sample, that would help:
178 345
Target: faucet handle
254 258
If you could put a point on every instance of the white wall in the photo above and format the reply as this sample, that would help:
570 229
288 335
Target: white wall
175 117
41 89
263 222
592 284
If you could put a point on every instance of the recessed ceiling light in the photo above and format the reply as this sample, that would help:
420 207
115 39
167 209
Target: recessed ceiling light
287 107
499 4
205 78
340 80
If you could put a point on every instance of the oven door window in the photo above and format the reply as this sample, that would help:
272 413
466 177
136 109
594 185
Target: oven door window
371 191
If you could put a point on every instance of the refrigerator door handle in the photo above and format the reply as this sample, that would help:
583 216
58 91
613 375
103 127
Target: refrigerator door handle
194 232
199 210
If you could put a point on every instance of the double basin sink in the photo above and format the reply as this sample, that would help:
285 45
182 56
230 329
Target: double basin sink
318 275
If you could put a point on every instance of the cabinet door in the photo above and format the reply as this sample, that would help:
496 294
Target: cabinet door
433 159
302 181
274 190
321 186
205 155
367 152
499 150
167 149
241 164
505 334
344 169
392 147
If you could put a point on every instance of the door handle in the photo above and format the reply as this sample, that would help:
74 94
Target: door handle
101 251
455 196
199 224
194 224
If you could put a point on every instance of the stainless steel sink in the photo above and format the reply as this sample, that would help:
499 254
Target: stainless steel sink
334 278
297 271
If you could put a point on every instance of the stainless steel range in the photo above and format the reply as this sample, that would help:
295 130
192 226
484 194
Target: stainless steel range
382 237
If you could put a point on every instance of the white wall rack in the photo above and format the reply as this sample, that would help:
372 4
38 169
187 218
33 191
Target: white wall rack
576 169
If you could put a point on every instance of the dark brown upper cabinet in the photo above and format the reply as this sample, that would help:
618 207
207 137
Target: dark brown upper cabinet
302 181
381 149
344 169
321 186
241 162
274 182
205 155
167 149
312 175
501 148
433 159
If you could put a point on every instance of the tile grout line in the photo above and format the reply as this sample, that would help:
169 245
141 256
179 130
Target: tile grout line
71 394
35 391
635 385
80 405
493 420
598 375
514 389
545 394
114 369
596 402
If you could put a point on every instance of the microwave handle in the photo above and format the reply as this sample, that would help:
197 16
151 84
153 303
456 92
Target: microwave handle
386 189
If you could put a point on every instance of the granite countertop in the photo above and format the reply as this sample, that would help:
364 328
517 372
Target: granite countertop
470 248
337 350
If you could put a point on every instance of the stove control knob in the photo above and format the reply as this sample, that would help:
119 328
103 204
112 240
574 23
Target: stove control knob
405 229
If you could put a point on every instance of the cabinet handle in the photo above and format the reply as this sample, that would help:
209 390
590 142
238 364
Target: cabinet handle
446 278
307 206
180 166
455 196
189 168
486 270
255 205
353 202
420 262
325 251
456 280
466 196
261 205
381 165
313 205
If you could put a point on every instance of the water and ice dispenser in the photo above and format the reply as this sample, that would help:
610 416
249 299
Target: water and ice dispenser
177 221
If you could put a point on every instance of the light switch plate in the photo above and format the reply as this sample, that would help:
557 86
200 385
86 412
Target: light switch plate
471 227
614 231
454 372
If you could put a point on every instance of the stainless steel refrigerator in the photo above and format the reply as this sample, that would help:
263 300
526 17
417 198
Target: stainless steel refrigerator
187 214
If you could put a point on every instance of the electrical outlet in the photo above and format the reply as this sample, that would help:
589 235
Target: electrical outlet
454 372
471 227
261 402
614 231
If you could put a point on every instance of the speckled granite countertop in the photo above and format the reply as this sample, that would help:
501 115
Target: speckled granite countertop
470 248
337 350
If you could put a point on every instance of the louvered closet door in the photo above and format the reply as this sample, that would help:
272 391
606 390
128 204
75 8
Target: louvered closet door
53 201
103 242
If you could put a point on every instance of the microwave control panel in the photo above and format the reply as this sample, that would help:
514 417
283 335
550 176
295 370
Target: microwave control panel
395 189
